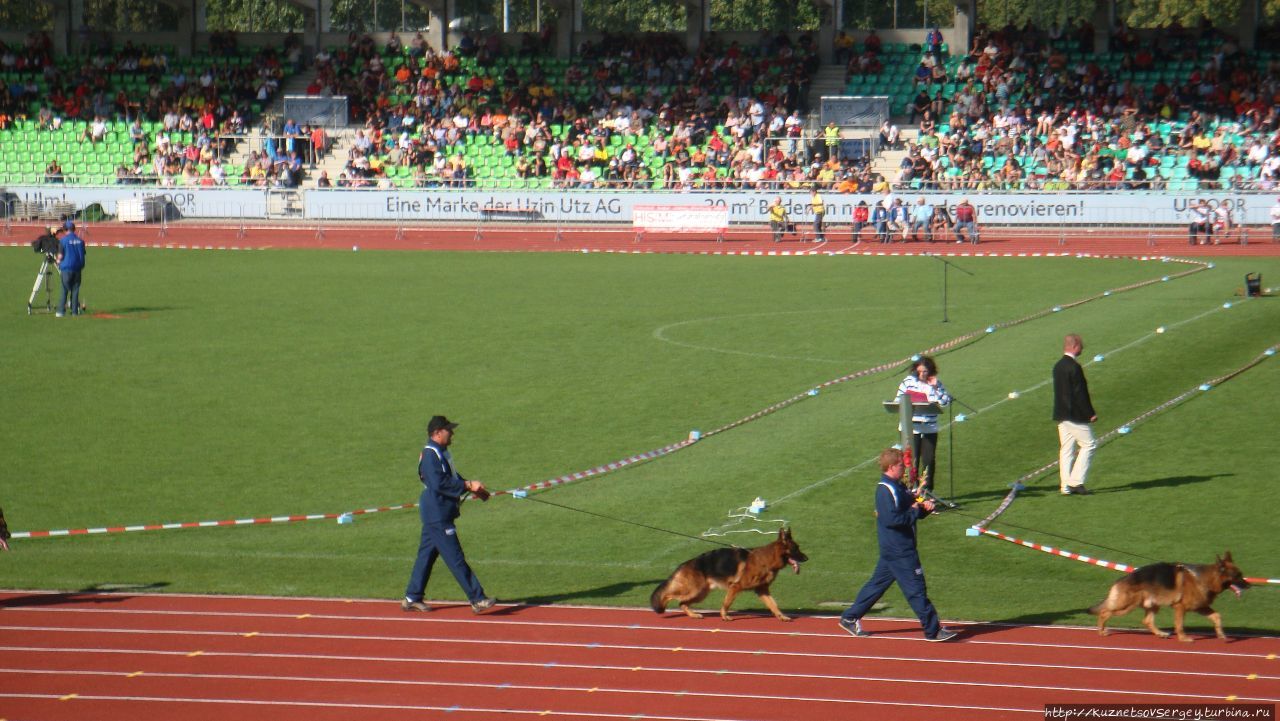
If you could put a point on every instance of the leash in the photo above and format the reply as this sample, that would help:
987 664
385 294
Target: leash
623 520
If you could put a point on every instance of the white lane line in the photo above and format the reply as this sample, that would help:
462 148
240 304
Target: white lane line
1179 652
664 650
647 691
520 712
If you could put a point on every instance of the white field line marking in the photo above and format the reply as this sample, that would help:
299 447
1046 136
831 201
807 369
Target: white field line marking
632 667
620 647
520 712
660 332
635 691
1131 344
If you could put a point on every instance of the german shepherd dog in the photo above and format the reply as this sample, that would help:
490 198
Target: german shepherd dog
733 569
1185 587
4 532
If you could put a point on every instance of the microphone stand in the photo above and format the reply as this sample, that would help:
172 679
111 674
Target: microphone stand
951 452
945 264
951 444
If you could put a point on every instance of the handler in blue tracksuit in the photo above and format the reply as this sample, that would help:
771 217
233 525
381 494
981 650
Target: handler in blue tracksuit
897 511
438 506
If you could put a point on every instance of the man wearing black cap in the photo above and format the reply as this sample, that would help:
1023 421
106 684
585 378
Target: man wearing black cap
442 493
70 266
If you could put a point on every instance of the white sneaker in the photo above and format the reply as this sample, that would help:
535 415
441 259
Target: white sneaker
57 315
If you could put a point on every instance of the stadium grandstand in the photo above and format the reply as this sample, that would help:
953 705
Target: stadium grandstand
704 97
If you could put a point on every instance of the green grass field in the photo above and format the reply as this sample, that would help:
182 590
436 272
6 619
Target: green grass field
258 383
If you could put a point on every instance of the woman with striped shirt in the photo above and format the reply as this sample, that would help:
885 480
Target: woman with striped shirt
922 386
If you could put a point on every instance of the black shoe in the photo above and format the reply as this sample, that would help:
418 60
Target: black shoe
482 605
408 605
944 634
854 627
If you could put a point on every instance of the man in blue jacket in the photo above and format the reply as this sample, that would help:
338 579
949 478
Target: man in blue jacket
442 493
897 511
70 266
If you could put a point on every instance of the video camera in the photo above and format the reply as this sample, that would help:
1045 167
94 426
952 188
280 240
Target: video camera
47 243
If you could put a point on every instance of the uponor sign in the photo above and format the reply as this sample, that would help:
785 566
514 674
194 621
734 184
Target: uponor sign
597 206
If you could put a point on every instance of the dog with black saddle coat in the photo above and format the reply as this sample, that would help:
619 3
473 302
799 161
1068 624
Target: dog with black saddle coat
4 532
733 569
1185 587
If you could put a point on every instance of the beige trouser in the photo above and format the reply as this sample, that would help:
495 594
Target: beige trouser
1073 466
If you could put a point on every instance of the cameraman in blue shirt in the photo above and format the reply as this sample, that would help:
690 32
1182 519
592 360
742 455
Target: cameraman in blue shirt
70 261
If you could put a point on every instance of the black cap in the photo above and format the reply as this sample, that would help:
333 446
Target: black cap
438 423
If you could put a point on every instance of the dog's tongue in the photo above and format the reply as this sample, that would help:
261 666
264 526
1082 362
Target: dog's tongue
1237 589
795 566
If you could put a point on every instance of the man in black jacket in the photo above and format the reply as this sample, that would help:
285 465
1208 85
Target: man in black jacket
1073 411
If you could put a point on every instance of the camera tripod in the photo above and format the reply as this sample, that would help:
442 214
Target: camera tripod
42 278
47 269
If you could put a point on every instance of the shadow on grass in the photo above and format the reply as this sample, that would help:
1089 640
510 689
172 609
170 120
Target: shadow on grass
1170 482
130 311
98 593
1051 489
612 590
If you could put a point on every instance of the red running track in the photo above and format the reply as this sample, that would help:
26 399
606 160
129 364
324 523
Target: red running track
71 657
1125 241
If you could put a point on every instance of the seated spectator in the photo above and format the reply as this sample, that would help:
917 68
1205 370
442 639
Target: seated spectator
880 221
417 46
45 119
966 227
1200 231
920 216
889 134
96 131
919 105
899 219
1222 222
53 172
939 223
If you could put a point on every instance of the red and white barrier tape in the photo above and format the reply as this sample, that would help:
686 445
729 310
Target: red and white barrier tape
205 524
1086 559
599 470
